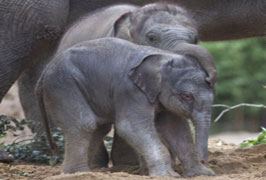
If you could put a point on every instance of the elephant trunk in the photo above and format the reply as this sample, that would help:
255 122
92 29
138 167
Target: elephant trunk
202 55
202 127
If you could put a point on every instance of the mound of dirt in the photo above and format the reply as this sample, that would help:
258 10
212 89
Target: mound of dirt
228 161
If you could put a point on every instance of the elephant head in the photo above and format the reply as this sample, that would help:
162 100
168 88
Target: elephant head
167 27
178 84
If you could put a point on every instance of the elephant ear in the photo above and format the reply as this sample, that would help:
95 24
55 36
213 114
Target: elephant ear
121 27
147 76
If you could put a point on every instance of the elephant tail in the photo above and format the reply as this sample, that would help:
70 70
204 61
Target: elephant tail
39 98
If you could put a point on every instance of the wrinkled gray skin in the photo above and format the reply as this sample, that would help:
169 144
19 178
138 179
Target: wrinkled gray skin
30 29
121 83
159 25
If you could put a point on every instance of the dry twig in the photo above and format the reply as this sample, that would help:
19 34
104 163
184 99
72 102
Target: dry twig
228 108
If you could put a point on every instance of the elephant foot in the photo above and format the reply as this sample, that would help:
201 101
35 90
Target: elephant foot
174 174
169 173
74 169
98 165
143 169
198 171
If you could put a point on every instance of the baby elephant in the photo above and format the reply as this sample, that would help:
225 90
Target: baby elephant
128 85
161 25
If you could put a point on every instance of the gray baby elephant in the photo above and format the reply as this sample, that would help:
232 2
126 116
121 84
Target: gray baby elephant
162 25
128 85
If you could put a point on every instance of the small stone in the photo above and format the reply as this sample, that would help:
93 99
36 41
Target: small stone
5 157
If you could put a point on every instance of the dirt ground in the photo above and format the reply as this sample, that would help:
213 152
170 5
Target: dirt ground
227 160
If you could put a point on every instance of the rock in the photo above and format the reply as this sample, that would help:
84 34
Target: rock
5 157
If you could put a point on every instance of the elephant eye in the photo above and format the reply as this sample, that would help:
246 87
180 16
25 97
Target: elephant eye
152 38
188 97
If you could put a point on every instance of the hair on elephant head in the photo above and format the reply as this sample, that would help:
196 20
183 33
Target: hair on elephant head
148 24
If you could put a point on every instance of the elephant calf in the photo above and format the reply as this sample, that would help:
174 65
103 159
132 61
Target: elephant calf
117 82
161 25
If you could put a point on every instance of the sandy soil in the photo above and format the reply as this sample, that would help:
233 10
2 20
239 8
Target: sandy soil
236 137
227 160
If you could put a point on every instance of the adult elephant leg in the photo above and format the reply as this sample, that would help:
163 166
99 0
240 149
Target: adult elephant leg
122 153
29 105
11 66
25 25
27 83
177 135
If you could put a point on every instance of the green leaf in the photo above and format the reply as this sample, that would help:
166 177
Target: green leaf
261 139
2 135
